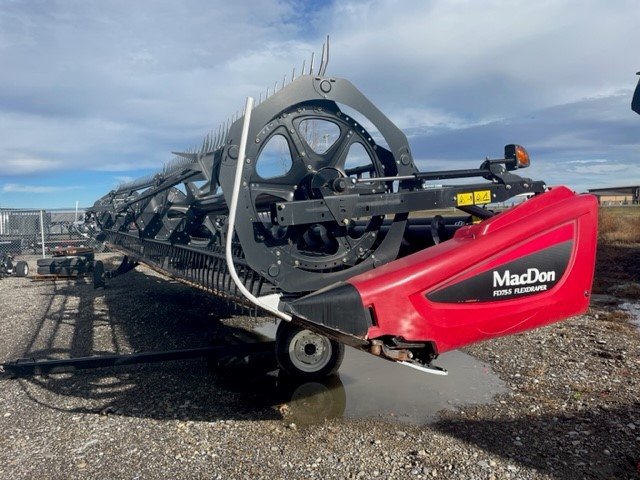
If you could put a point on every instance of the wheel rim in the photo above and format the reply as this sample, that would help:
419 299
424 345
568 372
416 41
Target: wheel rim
309 352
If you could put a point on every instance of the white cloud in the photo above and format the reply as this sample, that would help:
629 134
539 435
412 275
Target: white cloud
482 55
123 179
600 169
114 87
595 160
26 166
17 188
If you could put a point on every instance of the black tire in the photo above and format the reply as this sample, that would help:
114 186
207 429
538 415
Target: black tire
303 353
98 274
55 270
22 269
62 262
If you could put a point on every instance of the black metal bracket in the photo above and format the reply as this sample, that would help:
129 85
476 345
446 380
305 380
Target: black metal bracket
100 275
343 208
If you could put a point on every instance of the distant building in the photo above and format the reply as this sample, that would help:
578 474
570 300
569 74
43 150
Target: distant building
617 195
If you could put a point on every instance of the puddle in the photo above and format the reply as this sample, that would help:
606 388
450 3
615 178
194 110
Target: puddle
370 387
632 309
382 389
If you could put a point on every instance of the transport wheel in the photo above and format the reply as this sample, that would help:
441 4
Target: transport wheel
22 269
303 353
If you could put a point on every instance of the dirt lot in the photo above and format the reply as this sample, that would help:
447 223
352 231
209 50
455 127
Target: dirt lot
571 408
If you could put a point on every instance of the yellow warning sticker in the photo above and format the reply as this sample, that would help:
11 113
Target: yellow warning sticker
464 199
482 196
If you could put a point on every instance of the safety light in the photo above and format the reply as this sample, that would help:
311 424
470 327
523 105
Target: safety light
516 157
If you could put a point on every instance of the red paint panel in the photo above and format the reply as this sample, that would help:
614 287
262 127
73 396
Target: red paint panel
398 291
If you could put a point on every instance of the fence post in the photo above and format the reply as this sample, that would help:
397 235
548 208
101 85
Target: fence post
42 231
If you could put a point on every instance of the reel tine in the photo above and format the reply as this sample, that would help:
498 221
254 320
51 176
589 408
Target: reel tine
302 69
311 64
321 61
325 62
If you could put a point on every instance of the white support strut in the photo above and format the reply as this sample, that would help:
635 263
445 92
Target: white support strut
232 219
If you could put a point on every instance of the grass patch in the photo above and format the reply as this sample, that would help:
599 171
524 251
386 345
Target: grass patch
619 225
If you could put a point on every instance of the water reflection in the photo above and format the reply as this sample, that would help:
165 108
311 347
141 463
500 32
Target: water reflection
366 387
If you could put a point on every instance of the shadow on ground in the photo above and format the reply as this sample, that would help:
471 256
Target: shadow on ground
571 443
139 313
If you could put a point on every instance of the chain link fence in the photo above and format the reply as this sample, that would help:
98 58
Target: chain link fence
39 232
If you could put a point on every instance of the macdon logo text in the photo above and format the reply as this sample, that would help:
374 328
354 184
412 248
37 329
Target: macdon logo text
530 277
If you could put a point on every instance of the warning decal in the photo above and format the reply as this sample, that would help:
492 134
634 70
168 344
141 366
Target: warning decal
482 196
479 197
464 199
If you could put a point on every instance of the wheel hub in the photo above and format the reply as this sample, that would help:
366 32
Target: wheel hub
309 351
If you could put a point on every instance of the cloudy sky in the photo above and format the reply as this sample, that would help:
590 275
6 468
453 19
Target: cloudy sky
96 92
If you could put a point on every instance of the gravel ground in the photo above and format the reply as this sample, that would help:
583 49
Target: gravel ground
572 409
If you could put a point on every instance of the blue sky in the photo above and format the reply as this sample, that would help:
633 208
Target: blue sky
96 92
